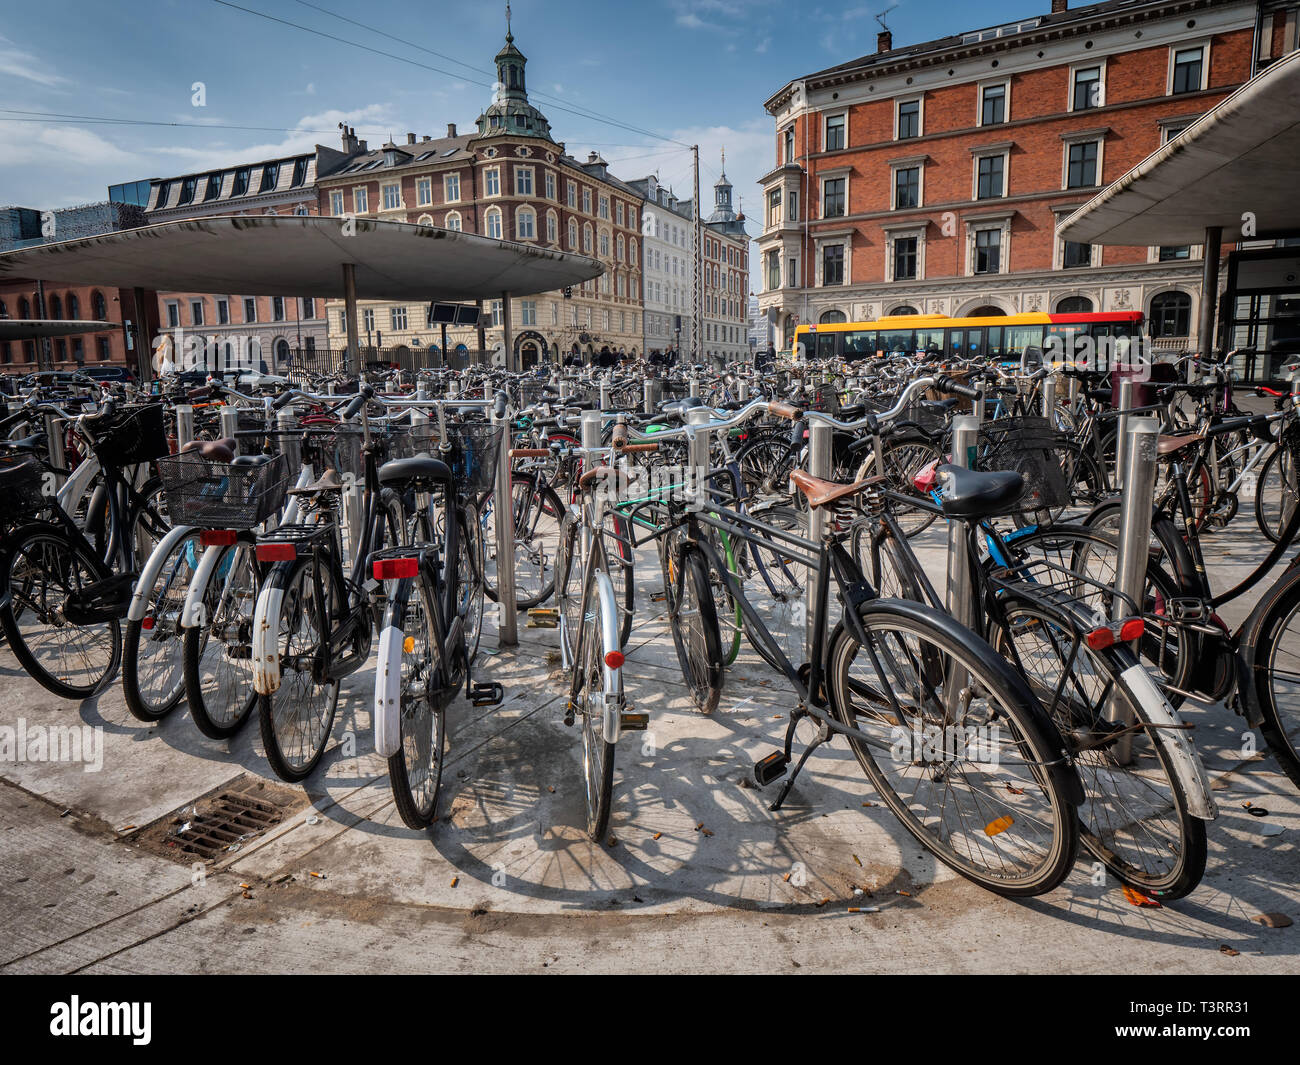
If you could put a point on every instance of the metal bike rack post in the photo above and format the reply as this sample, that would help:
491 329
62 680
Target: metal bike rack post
742 392
648 397
605 402
184 424
503 509
695 385
819 465
229 422
565 389
589 435
285 422
1121 431
54 441
961 596
1134 541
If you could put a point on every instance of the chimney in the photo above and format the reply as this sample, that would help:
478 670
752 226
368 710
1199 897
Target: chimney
362 146
1060 6
451 129
426 137
410 138
885 39
349 140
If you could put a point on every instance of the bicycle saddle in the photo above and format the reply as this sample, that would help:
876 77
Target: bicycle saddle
329 481
212 450
821 493
677 408
250 460
1169 445
976 494
418 468
34 443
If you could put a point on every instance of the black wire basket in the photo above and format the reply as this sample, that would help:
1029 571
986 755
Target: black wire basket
1029 446
129 435
223 495
826 399
475 449
20 485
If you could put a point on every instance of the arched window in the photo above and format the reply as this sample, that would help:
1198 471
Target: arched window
631 255
1171 314
987 311
452 221
586 238
832 318
281 352
493 220
525 224
573 235
98 306
903 308
604 243
24 308
552 228
4 309
425 220
1074 305
620 247
74 307
56 307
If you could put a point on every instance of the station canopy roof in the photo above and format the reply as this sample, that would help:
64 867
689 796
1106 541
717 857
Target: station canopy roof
32 328
1241 156
278 255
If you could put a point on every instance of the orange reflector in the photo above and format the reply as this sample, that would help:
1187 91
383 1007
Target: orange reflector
1101 638
408 645
218 537
614 659
147 624
1132 629
996 828
394 569
276 552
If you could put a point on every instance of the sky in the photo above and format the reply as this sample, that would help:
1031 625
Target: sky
123 80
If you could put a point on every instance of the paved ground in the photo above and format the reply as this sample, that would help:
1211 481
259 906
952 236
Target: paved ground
703 877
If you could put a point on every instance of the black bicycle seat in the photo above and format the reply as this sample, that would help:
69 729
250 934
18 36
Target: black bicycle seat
975 494
418 468
250 460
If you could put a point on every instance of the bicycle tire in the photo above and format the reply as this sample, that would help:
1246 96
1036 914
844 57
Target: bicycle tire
154 687
693 621
1262 640
590 683
219 682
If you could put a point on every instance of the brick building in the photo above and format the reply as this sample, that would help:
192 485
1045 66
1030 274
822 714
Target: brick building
930 178
509 179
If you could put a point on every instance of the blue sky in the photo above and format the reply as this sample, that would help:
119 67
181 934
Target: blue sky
694 71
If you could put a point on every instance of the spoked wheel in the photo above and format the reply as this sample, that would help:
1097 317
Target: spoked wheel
1272 637
296 719
538 513
469 583
219 654
568 586
592 683
415 771
902 459
43 568
153 667
692 617
1276 493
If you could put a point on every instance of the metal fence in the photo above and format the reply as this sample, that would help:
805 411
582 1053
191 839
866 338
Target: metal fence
334 360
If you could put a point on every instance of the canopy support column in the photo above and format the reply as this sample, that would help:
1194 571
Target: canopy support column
350 315
1210 289
507 346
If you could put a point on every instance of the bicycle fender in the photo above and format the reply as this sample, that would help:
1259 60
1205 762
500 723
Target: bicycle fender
266 645
612 721
388 696
1185 761
149 574
194 613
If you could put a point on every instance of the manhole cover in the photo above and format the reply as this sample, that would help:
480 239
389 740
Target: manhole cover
221 823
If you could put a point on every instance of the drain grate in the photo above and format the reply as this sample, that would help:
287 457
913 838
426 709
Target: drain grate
228 819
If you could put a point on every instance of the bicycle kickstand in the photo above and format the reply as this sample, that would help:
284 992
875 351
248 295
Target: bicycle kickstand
771 768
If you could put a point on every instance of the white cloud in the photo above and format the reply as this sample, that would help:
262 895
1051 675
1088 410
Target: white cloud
18 63
763 45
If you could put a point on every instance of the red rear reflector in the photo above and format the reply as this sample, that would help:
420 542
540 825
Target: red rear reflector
395 569
276 552
614 659
926 477
1132 629
218 537
146 624
1100 639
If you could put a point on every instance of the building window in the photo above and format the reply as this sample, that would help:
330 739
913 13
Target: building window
336 202
1087 92
451 188
907 187
990 177
604 244
1173 253
1081 165
105 352
572 197
620 247
397 317
788 142
368 320
423 191
173 315
586 201
523 181
1074 305
993 105
196 312
905 258
99 306
909 119
773 265
1188 68
392 196
223 312
1171 315
1074 254
277 308
586 239
452 221
833 205
270 177
308 307
493 221
618 212
250 308
525 224
792 273
360 200
552 228
214 187
836 132
833 264
492 182
631 218
299 173
241 181
550 185
527 312
603 208
988 251
187 191
573 235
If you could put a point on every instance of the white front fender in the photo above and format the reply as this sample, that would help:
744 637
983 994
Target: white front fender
388 692
266 643
149 574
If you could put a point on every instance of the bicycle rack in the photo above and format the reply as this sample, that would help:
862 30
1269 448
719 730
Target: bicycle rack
819 465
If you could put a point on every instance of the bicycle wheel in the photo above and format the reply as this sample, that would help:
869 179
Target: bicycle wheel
956 746
1276 493
902 458
1271 644
617 537
592 684
731 619
219 653
1135 817
693 619
153 667
568 570
469 583
296 720
884 562
42 567
415 770
538 513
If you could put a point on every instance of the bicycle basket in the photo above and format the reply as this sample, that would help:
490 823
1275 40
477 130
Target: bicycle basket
129 435
222 495
20 485
1028 446
826 399
475 448
417 440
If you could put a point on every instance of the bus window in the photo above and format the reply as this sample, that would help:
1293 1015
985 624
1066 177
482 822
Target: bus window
956 343
858 344
929 340
1020 337
995 342
974 343
892 340
825 345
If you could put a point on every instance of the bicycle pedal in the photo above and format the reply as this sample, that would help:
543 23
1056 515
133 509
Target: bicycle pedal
487 693
543 618
770 768
634 722
657 597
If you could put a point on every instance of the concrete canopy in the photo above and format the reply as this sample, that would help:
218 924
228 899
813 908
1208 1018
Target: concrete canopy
31 328
1241 156
276 255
